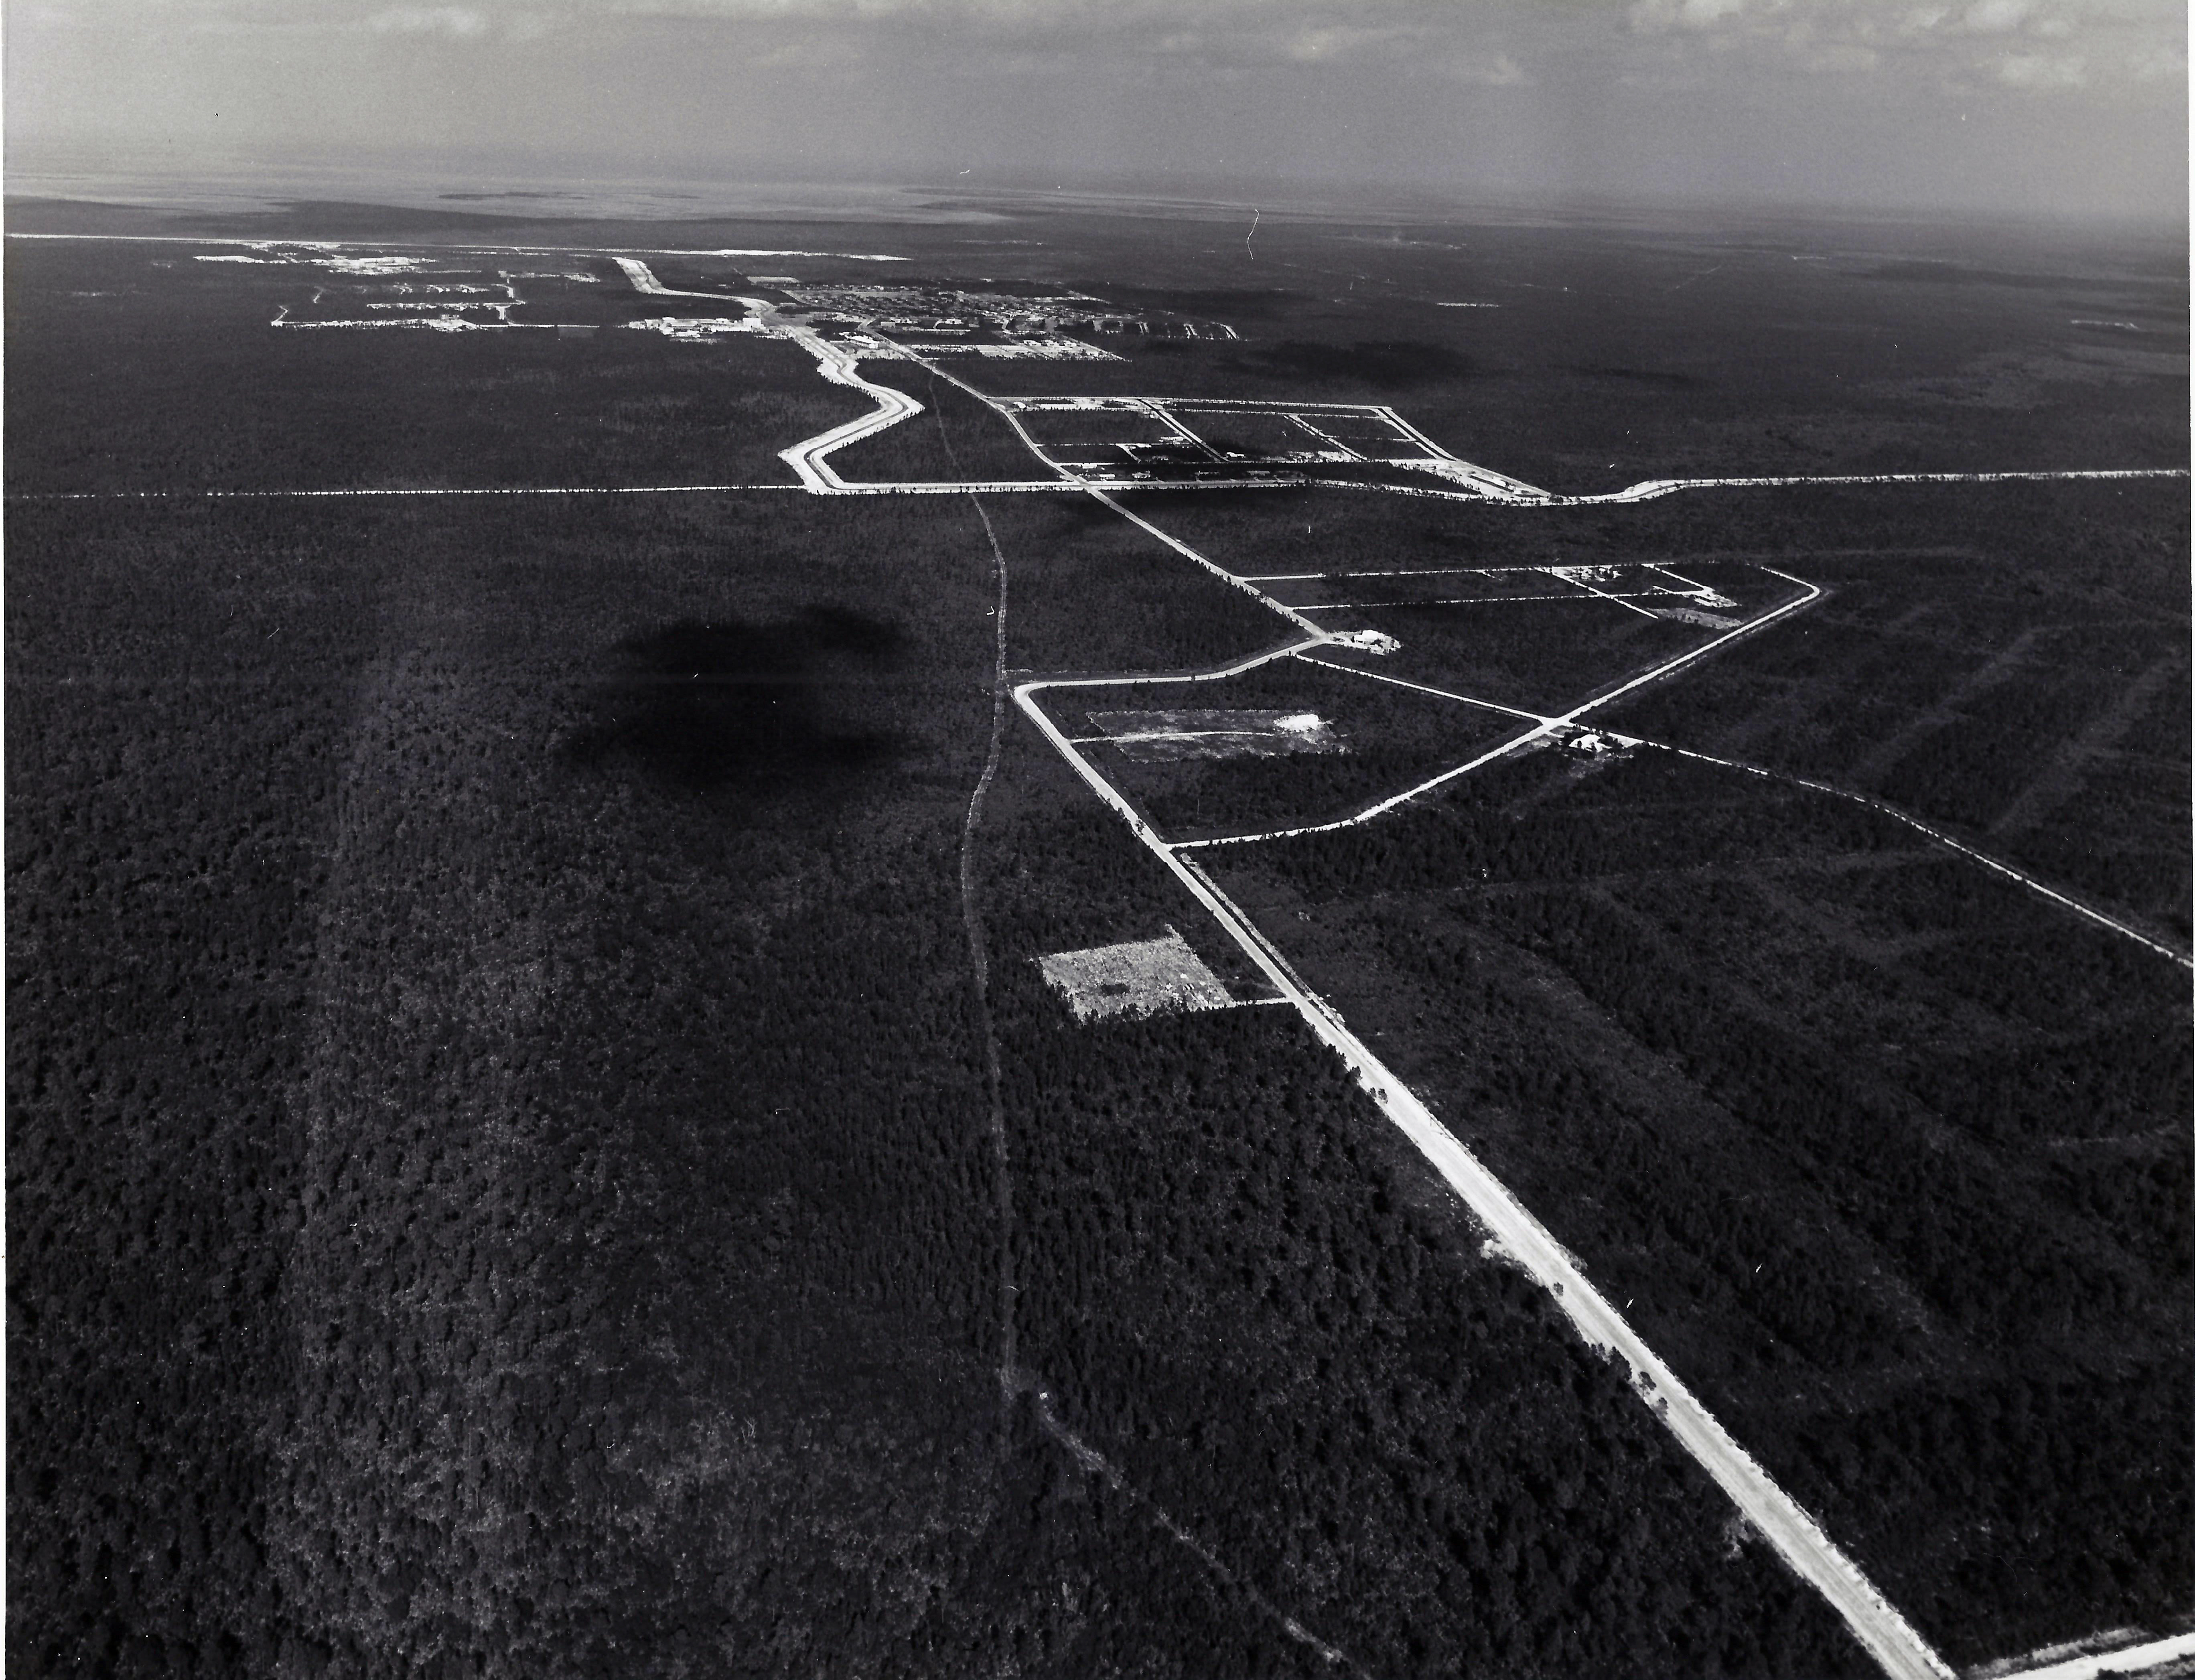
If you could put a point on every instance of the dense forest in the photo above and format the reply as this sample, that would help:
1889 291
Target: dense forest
1093 593
600 1261
461 1159
499 1172
1241 1282
1840 1119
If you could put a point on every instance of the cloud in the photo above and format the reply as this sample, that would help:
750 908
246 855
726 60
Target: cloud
1313 43
1490 41
1652 16
461 23
1858 100
2042 70
1839 58
2031 45
1500 71
1996 17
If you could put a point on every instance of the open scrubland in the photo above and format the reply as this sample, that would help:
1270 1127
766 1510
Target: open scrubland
2013 665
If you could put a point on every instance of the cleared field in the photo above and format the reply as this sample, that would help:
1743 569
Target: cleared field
1394 737
1144 977
1157 736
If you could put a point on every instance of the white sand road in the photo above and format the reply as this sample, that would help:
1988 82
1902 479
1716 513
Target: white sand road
2116 1659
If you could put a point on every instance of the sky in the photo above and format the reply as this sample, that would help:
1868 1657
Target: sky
2046 107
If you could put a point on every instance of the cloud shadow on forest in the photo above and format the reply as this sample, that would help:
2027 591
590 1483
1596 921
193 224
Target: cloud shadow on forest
749 709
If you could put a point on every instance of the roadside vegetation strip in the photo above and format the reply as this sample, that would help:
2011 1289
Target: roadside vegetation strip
1941 839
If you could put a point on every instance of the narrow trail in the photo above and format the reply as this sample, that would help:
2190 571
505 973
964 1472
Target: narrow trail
979 963
1098 1465
1013 1381
2066 772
